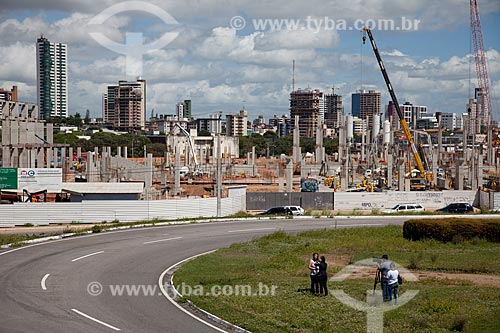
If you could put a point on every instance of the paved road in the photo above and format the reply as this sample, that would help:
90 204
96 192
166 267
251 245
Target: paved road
124 257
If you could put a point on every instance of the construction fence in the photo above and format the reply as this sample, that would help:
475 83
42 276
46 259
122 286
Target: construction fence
367 201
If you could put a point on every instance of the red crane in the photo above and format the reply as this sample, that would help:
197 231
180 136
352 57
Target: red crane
482 72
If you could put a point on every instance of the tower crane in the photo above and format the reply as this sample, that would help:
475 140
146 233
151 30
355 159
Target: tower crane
428 175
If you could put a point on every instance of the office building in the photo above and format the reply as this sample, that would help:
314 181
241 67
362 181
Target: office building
309 106
52 78
449 121
236 123
365 105
124 105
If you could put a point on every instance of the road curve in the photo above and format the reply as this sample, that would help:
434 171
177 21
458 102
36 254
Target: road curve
45 287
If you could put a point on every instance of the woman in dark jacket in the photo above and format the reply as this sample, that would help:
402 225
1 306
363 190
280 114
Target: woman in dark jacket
323 276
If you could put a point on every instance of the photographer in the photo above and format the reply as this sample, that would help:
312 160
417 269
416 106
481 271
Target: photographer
383 269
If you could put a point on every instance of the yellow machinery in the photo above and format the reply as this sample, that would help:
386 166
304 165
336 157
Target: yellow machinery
428 176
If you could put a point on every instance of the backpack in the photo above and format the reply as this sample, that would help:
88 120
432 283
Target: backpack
400 279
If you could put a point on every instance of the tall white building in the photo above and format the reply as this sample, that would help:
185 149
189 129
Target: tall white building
52 78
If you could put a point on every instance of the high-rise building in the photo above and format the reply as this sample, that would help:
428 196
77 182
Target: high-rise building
474 117
411 114
179 111
449 121
236 123
365 105
333 110
309 106
52 78
124 105
9 95
187 109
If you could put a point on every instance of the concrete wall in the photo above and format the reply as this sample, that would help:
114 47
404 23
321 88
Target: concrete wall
358 200
124 211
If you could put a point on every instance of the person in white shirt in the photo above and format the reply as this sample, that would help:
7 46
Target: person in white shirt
313 272
392 283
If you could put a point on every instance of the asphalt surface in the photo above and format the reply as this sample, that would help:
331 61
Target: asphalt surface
32 301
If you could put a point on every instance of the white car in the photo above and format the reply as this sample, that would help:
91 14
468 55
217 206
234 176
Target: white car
296 210
405 208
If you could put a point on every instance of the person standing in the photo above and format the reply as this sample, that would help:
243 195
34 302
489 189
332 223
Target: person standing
313 273
392 283
323 276
384 267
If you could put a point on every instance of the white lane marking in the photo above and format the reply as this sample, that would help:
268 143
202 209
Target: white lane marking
171 300
42 283
259 229
162 240
96 320
87 255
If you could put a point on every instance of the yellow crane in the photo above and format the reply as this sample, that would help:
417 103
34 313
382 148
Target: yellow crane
427 175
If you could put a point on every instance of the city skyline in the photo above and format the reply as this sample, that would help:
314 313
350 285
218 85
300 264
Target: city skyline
219 68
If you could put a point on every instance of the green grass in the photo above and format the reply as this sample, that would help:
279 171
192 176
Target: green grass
281 259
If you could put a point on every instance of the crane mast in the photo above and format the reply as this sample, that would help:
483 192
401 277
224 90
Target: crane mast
402 120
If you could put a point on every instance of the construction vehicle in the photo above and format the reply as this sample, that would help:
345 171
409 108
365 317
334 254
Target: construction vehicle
426 176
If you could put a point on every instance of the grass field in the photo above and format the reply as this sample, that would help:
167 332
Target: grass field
280 259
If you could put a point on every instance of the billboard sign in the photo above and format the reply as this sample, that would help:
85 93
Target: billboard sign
36 179
8 178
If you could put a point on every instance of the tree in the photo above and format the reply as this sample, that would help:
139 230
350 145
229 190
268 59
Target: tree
331 145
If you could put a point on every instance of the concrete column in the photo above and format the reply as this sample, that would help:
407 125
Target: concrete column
125 152
289 177
253 155
90 167
50 132
390 174
104 166
401 177
459 175
149 175
49 157
297 156
78 152
119 151
479 178
177 173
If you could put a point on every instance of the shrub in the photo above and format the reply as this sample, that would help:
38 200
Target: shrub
452 230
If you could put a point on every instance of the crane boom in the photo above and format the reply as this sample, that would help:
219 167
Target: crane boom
191 146
402 120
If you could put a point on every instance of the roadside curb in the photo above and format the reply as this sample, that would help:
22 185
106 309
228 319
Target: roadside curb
172 295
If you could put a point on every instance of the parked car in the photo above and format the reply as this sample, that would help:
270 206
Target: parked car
296 210
457 207
281 210
405 208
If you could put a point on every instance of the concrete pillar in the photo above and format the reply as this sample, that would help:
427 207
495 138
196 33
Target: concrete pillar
125 152
119 151
390 174
289 177
297 156
401 177
49 157
50 132
78 152
459 175
90 167
319 145
253 155
177 171
149 175
104 166
479 177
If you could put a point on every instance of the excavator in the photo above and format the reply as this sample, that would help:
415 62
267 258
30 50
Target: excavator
425 177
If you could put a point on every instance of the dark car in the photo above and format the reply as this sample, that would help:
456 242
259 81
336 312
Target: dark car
457 208
281 210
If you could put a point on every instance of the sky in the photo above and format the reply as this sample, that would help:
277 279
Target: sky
224 55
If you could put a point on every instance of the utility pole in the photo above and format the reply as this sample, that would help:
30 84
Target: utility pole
219 168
